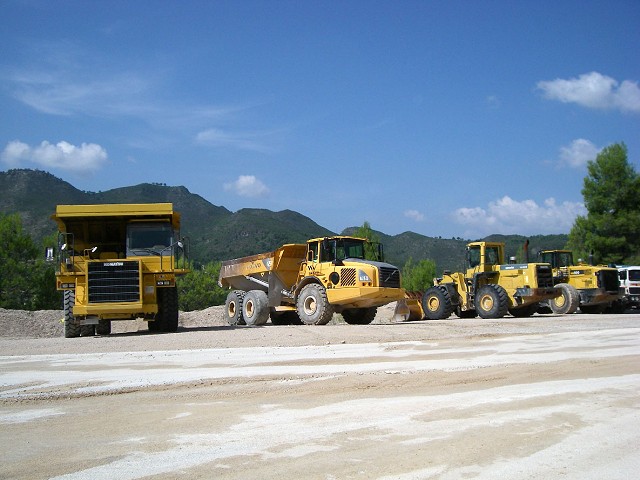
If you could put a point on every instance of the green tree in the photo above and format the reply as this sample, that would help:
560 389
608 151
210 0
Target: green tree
199 289
371 248
17 260
611 228
419 276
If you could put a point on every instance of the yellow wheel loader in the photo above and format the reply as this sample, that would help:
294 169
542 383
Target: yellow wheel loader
592 288
488 287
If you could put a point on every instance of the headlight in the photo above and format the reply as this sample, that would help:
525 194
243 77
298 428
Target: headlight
363 277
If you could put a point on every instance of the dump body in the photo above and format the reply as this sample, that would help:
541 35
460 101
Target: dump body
118 262
594 286
336 265
488 287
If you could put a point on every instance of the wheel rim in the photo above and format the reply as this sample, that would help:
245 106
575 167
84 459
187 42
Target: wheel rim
433 303
309 305
559 301
487 302
250 308
231 309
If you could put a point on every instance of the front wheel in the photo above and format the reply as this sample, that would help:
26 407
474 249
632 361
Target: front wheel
312 305
492 301
436 303
167 317
71 328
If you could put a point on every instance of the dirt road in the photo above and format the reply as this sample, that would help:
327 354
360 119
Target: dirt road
539 398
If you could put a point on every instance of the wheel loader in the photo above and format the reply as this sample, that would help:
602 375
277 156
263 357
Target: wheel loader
592 288
488 287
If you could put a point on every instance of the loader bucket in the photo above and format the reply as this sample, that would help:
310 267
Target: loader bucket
409 308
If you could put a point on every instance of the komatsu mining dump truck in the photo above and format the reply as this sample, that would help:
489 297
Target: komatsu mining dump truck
118 262
488 288
593 288
307 283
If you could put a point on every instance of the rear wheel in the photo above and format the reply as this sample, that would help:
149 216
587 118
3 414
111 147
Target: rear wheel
233 307
567 302
492 301
436 303
103 327
312 305
71 328
359 316
255 308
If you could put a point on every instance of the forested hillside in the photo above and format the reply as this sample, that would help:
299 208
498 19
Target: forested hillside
218 234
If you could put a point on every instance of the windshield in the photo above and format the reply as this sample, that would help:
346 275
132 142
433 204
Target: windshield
149 239
558 259
342 248
634 275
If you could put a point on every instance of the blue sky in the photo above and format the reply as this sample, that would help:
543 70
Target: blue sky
448 118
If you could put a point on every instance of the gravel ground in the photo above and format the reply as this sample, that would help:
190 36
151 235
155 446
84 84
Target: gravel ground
546 397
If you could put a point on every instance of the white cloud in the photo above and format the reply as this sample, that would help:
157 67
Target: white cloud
87 157
508 216
578 153
415 215
594 90
247 186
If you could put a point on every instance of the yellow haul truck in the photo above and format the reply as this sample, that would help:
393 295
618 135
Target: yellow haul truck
118 262
307 283
488 288
591 287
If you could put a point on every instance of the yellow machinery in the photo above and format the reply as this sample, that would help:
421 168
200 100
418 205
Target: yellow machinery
307 283
488 288
591 287
118 262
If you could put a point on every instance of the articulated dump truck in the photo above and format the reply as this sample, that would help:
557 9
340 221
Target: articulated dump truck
118 262
488 287
308 283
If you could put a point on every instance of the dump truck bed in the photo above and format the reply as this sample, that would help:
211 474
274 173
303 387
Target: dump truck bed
253 271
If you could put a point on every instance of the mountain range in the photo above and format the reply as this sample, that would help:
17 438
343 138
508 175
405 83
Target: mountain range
215 233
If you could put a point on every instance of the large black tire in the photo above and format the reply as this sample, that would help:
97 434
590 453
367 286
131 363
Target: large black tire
312 305
233 307
359 316
288 317
71 328
436 303
255 308
568 302
492 301
167 317
87 330
103 327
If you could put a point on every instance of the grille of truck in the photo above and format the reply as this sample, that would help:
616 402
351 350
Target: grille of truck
608 279
348 277
545 276
117 281
389 277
